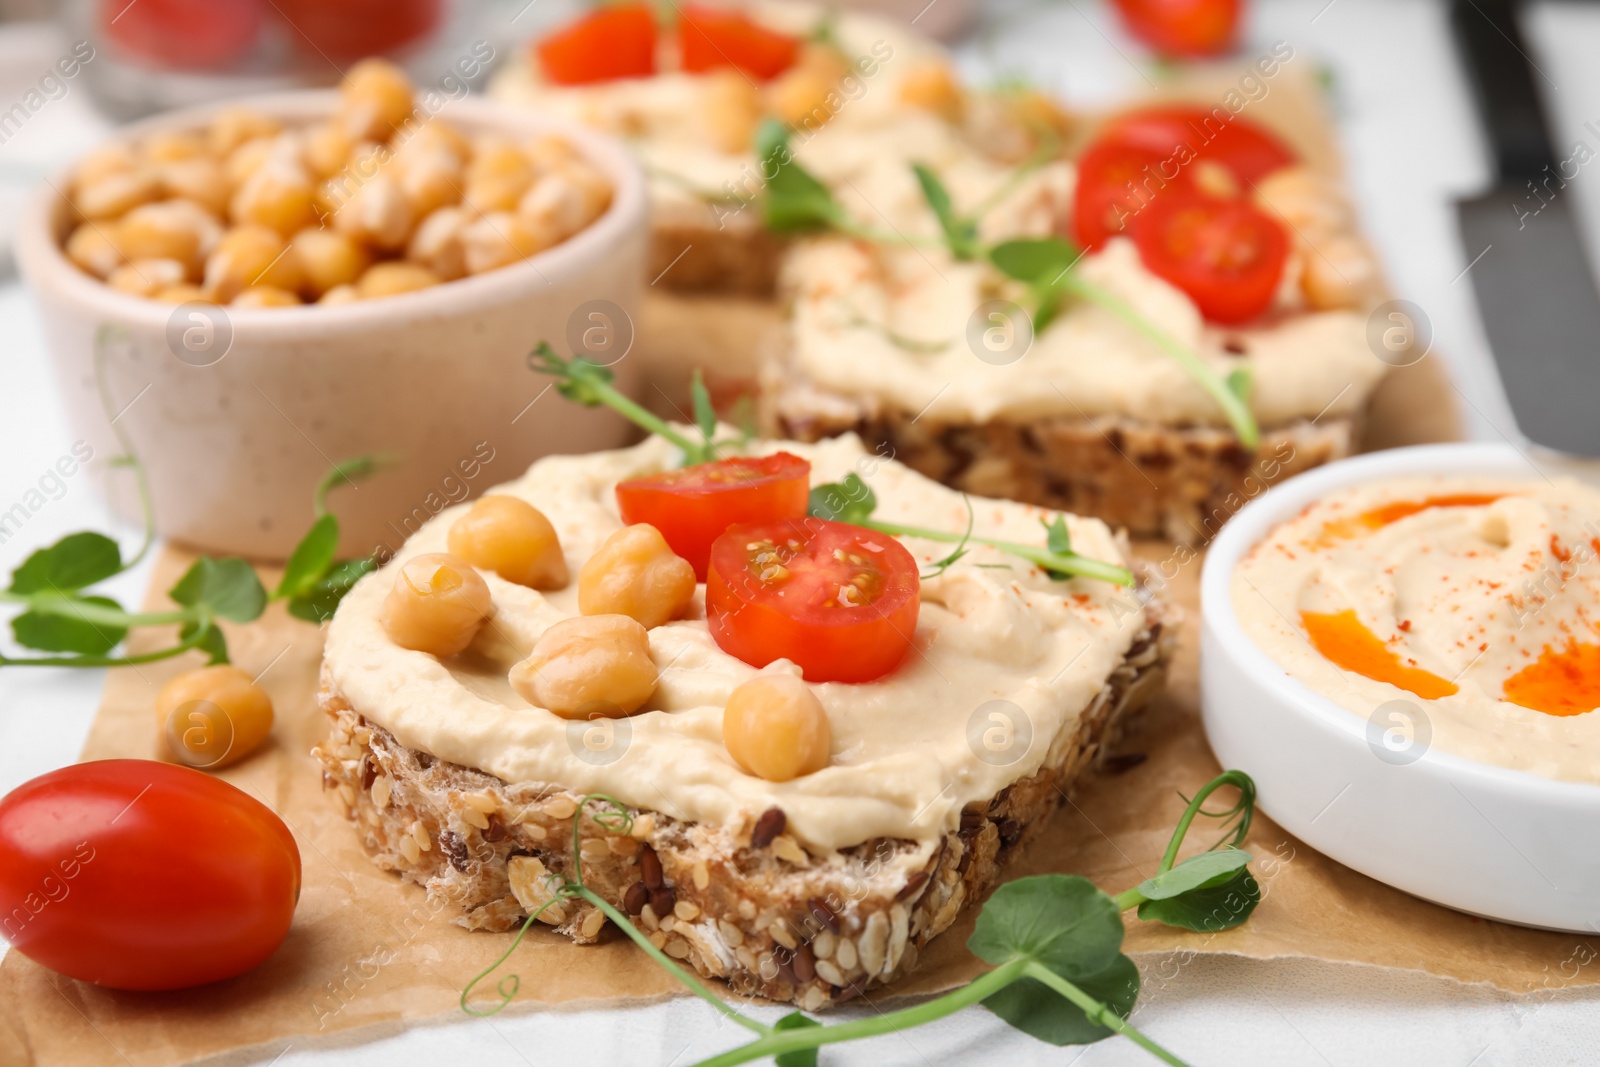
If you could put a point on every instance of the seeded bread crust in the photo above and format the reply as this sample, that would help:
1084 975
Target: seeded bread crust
1177 482
695 249
748 905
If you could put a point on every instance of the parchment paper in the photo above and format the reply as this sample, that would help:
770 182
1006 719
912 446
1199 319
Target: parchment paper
366 956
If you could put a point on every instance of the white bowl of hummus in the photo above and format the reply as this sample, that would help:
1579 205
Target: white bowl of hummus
1403 649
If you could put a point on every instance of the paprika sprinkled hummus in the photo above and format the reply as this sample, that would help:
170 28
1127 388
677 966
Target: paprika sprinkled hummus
1478 600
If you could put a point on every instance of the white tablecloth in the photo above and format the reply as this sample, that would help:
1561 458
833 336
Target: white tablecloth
1412 147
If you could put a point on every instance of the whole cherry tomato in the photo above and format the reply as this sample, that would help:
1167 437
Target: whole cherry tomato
692 506
616 41
839 601
715 37
1183 28
135 874
184 34
1226 255
351 29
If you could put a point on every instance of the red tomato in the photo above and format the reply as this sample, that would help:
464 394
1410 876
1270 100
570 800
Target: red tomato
1225 254
1115 181
135 874
714 37
840 601
616 41
1246 148
351 29
1187 28
692 506
184 34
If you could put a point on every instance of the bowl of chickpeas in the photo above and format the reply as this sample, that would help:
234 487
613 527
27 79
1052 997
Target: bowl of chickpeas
247 295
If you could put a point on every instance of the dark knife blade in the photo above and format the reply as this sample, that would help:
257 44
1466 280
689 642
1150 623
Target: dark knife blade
1531 274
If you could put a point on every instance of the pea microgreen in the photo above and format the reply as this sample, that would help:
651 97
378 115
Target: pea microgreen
853 501
1054 940
60 615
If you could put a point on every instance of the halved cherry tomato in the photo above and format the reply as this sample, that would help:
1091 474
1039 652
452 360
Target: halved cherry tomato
691 506
1227 256
1246 148
135 874
615 41
1115 182
184 34
1183 27
714 37
839 601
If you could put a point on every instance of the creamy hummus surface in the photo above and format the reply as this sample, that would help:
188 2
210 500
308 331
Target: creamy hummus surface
904 326
1475 599
906 748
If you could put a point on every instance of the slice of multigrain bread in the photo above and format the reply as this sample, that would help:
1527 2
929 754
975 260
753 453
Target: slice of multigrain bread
745 904
1155 480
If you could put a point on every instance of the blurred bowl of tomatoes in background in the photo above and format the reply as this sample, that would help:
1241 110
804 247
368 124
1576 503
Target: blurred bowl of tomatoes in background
154 55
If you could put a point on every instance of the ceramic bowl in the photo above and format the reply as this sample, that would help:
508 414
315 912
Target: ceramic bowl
1498 843
236 417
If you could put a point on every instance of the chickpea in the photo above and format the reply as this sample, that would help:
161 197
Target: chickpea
340 294
93 250
799 95
555 208
430 182
265 296
434 137
1305 200
775 728
394 278
213 716
634 573
171 229
202 181
498 239
376 213
512 538
236 125
436 244
170 146
587 667
328 260
249 158
1339 272
375 99
732 110
437 605
497 176
549 151
327 149
117 194
104 162
277 195
594 185
251 255
932 86
182 293
146 277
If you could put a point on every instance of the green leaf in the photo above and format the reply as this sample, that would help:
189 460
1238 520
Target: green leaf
1041 1012
319 603
1034 259
1193 873
1056 537
960 234
311 558
64 633
229 587
1221 903
1239 383
1060 920
75 561
795 199
851 500
705 416
804 1057
212 643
